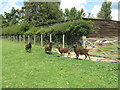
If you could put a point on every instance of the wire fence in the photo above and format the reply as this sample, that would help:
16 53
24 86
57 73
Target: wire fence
43 39
58 39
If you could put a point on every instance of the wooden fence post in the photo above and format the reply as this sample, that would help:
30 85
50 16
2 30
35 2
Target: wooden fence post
19 38
16 38
63 40
34 39
5 36
28 38
13 37
41 40
24 38
9 37
50 38
84 41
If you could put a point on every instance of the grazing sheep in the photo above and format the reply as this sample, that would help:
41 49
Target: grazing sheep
63 50
28 47
80 51
48 47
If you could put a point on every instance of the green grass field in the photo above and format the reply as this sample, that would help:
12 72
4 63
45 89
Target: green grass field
40 70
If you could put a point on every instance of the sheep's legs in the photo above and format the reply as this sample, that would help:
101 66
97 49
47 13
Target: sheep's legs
60 54
77 56
89 57
85 56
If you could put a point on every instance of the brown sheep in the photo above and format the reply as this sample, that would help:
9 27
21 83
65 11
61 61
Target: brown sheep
63 50
48 47
28 47
80 51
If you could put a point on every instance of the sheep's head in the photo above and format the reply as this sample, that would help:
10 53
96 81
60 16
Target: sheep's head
29 42
75 46
58 46
51 43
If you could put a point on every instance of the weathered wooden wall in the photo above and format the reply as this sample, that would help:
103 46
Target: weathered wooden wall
107 29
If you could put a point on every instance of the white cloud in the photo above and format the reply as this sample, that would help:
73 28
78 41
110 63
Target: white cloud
8 6
85 10
113 0
95 10
15 1
114 14
71 3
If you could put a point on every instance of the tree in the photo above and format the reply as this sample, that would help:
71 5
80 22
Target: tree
81 14
37 13
67 14
73 13
3 21
105 11
11 18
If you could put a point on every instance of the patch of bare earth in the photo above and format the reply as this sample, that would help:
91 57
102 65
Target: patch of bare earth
92 58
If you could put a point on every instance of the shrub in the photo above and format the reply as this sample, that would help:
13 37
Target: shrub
32 30
16 29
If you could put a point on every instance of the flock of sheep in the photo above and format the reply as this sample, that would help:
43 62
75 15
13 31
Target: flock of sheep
48 48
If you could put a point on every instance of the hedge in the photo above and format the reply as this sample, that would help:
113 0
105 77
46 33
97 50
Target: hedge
75 28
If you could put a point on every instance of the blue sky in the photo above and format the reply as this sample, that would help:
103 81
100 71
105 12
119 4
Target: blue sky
90 6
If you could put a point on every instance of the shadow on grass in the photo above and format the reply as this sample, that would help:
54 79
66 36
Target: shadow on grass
49 53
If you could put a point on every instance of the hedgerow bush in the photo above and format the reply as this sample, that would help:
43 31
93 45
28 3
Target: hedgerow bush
32 30
73 30
16 29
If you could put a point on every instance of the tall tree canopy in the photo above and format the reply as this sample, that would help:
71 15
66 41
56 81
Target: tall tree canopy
39 12
67 14
105 11
81 14
74 14
11 18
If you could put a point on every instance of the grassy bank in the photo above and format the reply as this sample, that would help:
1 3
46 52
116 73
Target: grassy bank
40 70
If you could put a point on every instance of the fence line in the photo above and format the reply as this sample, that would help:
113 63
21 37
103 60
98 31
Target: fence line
30 38
39 38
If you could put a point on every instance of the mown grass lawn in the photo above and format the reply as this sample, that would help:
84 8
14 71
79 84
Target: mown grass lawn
40 70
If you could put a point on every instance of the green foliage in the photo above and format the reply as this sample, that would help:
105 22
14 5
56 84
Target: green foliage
105 11
74 14
77 27
43 30
38 13
32 30
81 27
67 14
11 18
81 14
74 28
15 29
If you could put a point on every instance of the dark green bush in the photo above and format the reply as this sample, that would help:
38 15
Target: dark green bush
16 29
76 28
